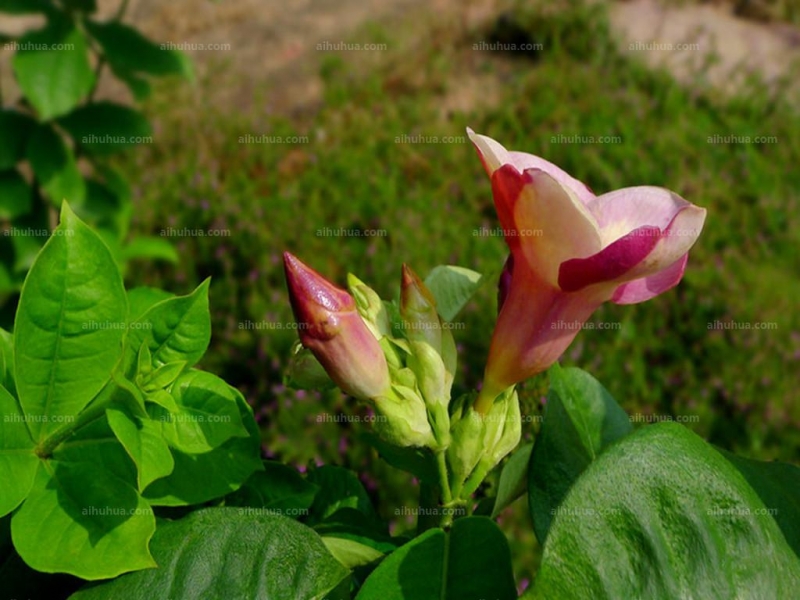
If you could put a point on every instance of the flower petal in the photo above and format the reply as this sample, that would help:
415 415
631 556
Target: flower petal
543 219
493 156
612 262
648 287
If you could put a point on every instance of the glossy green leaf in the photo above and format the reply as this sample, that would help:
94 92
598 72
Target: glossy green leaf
662 515
55 167
69 325
472 562
105 127
279 488
219 553
144 444
15 128
208 414
452 287
513 479
16 196
350 553
581 419
18 463
202 477
175 329
84 515
778 486
162 376
52 68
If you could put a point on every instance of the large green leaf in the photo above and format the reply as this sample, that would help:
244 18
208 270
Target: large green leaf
16 196
338 488
222 553
69 326
581 419
55 167
144 443
18 463
662 515
471 562
452 287
105 127
279 489
174 329
15 127
778 486
198 478
52 68
84 515
208 414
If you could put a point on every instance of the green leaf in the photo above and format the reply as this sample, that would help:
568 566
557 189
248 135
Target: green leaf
452 287
69 325
472 562
52 68
105 209
419 461
279 489
349 524
202 477
175 329
22 7
55 167
219 553
16 196
151 248
351 554
207 416
141 299
162 376
778 486
84 515
15 127
661 515
104 127
581 419
18 463
338 488
7 362
144 444
513 479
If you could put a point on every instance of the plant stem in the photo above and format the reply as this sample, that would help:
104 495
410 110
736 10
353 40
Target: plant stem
96 409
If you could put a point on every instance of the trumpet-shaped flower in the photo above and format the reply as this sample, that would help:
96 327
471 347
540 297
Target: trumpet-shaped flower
570 252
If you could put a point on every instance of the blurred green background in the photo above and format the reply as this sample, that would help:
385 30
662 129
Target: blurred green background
360 157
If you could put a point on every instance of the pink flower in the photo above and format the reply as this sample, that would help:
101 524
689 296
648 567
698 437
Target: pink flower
570 252
330 326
